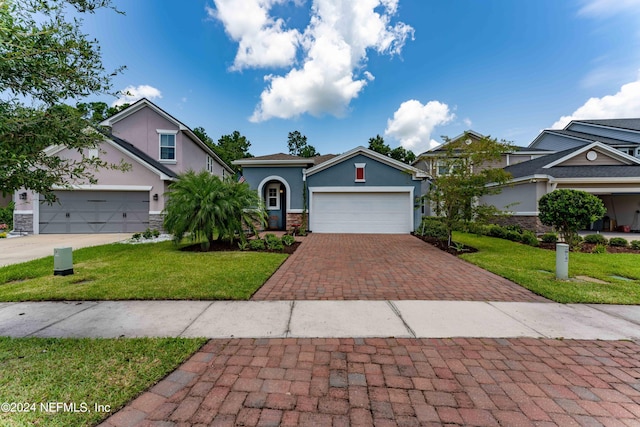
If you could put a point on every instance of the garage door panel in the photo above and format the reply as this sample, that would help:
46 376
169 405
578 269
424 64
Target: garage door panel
95 212
361 212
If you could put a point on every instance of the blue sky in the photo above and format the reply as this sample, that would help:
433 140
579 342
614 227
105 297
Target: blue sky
342 72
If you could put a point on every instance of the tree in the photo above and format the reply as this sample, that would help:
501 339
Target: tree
569 211
455 195
298 145
378 145
46 59
95 112
229 148
208 208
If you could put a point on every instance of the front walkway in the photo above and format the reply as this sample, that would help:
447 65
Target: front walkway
383 267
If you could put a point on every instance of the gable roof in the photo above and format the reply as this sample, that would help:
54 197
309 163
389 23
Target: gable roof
551 165
144 102
416 173
585 137
628 124
141 155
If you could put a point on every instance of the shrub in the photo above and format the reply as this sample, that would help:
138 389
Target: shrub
549 238
6 215
207 208
275 245
288 240
256 244
243 245
514 227
529 238
497 231
597 239
155 232
147 234
514 236
635 244
569 210
136 236
619 242
599 249
270 237
433 227
3 235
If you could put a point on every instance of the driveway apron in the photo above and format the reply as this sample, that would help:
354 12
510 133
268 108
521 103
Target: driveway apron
383 267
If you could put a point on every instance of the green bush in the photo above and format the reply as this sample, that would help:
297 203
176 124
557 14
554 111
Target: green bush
256 244
3 235
599 249
597 239
529 238
147 234
275 245
619 242
6 216
549 238
270 237
514 236
243 245
514 227
635 244
136 236
155 232
288 240
497 231
433 227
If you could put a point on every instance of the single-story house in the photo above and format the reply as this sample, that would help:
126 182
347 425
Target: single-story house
360 191
157 147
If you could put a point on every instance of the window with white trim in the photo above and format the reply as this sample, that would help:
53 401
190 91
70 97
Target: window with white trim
210 165
168 146
360 176
273 197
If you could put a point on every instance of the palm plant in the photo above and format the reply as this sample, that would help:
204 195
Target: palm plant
207 208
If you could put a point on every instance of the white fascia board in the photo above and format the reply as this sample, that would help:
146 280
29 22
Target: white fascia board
522 179
610 151
362 189
595 180
417 173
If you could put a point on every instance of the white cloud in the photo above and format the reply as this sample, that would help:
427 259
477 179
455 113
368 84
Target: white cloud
413 123
334 50
467 122
131 94
624 104
599 8
262 39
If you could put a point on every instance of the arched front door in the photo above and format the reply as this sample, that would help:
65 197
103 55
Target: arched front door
275 200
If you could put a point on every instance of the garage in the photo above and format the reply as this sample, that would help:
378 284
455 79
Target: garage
361 212
95 212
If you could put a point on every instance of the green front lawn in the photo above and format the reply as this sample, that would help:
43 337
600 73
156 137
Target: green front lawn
107 372
141 272
534 269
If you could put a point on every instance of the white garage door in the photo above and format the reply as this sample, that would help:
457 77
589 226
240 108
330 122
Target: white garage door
360 212
95 212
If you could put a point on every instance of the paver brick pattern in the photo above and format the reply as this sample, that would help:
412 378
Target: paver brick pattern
383 267
397 382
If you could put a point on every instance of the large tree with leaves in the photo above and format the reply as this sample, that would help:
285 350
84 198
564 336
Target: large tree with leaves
378 145
298 145
46 60
455 195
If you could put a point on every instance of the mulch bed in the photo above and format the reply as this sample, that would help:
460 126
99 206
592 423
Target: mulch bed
443 246
225 246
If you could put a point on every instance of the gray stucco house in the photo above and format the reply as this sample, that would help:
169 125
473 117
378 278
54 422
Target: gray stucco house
359 191
156 145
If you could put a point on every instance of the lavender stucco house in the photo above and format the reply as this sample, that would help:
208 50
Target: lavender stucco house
156 145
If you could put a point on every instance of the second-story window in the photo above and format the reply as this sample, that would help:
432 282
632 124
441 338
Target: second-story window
210 164
167 146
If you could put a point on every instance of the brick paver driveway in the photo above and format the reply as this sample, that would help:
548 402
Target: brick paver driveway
383 267
397 382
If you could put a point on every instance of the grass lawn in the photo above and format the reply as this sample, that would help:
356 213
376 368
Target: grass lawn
141 272
91 371
534 269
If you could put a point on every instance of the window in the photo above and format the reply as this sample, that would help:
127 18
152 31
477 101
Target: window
167 145
360 172
443 168
273 197
210 165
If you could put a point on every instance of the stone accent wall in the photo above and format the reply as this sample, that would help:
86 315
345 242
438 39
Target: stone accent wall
23 223
526 222
156 222
293 218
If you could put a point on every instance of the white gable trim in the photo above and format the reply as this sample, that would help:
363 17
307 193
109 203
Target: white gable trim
161 174
283 181
416 173
612 152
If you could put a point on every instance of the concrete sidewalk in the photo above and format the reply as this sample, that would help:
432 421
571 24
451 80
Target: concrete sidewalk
318 319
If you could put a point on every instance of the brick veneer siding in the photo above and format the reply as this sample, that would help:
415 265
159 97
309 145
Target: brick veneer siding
293 218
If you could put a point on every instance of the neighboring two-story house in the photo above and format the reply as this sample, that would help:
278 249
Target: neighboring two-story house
156 145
